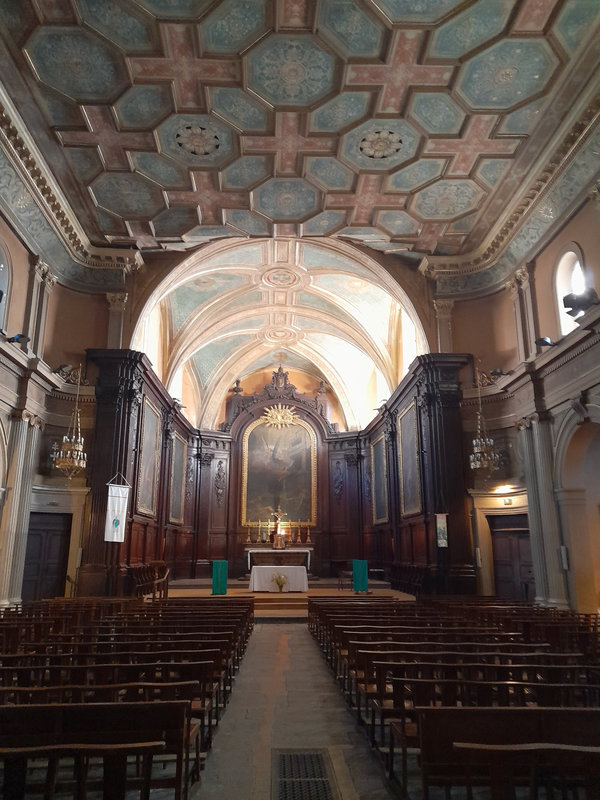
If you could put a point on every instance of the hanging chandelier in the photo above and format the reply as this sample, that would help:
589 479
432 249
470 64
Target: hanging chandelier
71 457
484 457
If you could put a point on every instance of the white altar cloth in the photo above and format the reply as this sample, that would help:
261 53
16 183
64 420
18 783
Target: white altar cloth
261 579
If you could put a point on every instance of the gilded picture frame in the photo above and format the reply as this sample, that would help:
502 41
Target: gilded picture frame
409 461
279 469
379 489
147 478
177 482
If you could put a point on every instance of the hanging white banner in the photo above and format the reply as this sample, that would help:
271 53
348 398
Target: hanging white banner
116 513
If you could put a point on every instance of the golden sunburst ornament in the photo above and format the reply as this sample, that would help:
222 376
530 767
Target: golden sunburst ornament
280 416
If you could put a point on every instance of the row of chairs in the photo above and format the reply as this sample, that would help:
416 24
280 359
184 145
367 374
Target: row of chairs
169 654
390 664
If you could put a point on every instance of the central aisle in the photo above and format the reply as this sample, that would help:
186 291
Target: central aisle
285 697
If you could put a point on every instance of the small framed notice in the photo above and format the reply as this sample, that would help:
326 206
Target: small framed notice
441 529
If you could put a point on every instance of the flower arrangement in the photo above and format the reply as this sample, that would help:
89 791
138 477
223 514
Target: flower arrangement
280 580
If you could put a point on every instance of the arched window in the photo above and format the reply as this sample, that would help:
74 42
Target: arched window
571 278
4 285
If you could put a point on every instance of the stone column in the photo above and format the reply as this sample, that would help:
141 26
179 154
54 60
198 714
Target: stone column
547 518
116 304
15 517
41 283
22 529
536 531
527 313
513 289
443 315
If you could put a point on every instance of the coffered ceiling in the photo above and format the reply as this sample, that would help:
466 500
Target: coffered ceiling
453 133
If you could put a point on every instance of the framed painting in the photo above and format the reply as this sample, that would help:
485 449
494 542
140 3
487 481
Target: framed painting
147 479
177 483
379 492
279 473
409 462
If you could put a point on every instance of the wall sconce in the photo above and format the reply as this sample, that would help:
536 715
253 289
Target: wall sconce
578 303
545 341
19 338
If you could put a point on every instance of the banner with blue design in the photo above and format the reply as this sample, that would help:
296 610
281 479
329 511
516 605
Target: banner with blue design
116 513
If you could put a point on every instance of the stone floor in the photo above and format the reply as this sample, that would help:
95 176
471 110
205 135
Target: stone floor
286 698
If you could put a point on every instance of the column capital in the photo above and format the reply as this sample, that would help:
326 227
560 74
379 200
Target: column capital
443 308
522 276
32 420
117 300
43 273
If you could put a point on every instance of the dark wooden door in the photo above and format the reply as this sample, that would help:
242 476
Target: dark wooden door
513 565
46 556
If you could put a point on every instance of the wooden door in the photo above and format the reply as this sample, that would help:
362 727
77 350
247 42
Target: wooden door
513 565
46 556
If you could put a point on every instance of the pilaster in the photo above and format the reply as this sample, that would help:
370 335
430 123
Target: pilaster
15 516
117 302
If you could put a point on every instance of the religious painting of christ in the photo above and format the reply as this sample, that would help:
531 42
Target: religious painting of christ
279 473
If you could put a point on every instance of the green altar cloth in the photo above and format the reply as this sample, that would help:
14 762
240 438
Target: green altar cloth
359 575
219 577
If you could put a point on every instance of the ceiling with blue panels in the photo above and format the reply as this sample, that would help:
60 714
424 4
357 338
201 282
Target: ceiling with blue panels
421 129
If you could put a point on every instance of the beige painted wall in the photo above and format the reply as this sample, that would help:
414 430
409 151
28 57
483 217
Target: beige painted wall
75 321
486 328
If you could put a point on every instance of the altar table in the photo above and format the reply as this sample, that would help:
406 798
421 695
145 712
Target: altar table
261 579
279 557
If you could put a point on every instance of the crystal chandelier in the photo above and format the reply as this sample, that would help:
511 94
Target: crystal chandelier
71 457
483 457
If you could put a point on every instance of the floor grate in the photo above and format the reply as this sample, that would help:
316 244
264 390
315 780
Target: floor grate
303 775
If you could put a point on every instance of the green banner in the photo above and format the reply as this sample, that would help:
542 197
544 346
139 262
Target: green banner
360 578
219 577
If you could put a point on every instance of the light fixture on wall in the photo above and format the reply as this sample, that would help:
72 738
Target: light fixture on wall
71 457
576 304
18 338
484 457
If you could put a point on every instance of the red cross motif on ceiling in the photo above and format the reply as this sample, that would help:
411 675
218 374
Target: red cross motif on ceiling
533 15
429 236
367 200
111 142
400 72
141 233
210 199
474 143
294 14
289 145
184 69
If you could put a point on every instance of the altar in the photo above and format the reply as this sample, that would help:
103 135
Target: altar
293 579
291 556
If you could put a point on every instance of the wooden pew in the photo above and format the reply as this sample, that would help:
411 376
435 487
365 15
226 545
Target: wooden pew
439 728
95 728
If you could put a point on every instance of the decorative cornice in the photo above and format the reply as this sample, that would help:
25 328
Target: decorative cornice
559 362
54 210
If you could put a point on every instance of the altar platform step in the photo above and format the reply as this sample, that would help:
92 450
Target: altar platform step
276 606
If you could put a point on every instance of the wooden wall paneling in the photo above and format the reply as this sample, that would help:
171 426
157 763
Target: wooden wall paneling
116 433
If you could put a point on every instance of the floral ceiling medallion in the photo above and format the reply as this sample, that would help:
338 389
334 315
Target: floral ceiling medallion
280 416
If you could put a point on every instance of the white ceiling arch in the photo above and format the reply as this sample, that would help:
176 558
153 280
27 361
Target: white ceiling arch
230 310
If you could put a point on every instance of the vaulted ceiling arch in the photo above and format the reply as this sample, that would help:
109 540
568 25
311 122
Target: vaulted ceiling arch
230 311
